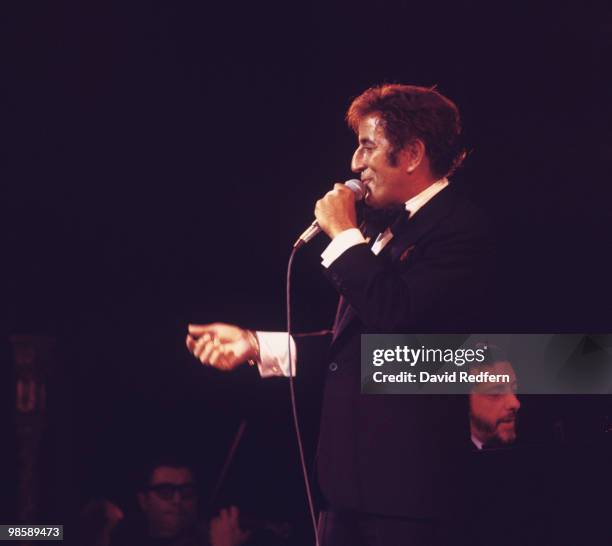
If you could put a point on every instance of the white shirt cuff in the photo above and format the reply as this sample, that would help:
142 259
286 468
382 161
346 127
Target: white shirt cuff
341 243
274 354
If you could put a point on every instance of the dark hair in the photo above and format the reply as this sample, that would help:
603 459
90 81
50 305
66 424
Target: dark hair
409 112
143 477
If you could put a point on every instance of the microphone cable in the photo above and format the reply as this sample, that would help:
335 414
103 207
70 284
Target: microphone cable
296 422
356 186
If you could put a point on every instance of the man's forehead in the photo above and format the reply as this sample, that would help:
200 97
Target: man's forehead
505 367
501 367
165 474
497 367
371 128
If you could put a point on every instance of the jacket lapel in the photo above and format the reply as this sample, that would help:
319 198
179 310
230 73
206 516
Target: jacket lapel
407 232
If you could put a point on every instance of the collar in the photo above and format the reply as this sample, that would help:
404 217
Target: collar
479 445
415 203
412 206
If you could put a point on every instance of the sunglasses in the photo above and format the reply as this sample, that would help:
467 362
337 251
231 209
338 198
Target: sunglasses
166 491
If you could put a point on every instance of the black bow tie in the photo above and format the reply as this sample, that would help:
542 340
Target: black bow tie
378 220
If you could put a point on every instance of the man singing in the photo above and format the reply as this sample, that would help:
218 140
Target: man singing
388 465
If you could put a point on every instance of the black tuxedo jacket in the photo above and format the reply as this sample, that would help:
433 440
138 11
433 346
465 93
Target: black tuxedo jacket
401 455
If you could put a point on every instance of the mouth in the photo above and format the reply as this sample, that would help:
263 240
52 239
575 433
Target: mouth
366 187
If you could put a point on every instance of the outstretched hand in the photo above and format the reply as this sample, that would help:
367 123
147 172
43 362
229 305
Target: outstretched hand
220 345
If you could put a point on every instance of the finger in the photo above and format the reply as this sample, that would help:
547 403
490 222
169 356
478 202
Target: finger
216 357
191 343
220 360
227 360
203 352
206 353
199 346
343 189
196 330
202 341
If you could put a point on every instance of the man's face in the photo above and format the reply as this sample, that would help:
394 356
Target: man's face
170 502
386 184
493 408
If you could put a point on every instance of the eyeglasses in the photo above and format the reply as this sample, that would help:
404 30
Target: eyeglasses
166 491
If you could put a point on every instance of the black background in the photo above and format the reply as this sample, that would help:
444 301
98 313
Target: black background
160 158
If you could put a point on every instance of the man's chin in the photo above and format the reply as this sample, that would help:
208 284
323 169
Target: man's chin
507 436
375 202
371 201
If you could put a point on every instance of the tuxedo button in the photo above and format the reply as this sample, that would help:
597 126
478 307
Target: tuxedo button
333 366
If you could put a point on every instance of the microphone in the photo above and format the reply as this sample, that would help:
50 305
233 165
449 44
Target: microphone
356 187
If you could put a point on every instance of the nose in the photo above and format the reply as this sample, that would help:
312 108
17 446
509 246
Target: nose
512 402
176 497
357 163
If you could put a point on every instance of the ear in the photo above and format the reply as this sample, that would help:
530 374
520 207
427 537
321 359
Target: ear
413 155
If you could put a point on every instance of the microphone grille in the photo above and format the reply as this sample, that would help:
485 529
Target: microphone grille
356 187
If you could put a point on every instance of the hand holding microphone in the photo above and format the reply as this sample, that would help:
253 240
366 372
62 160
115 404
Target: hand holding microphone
335 212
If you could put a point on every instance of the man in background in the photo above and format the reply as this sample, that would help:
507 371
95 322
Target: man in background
169 505
494 406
